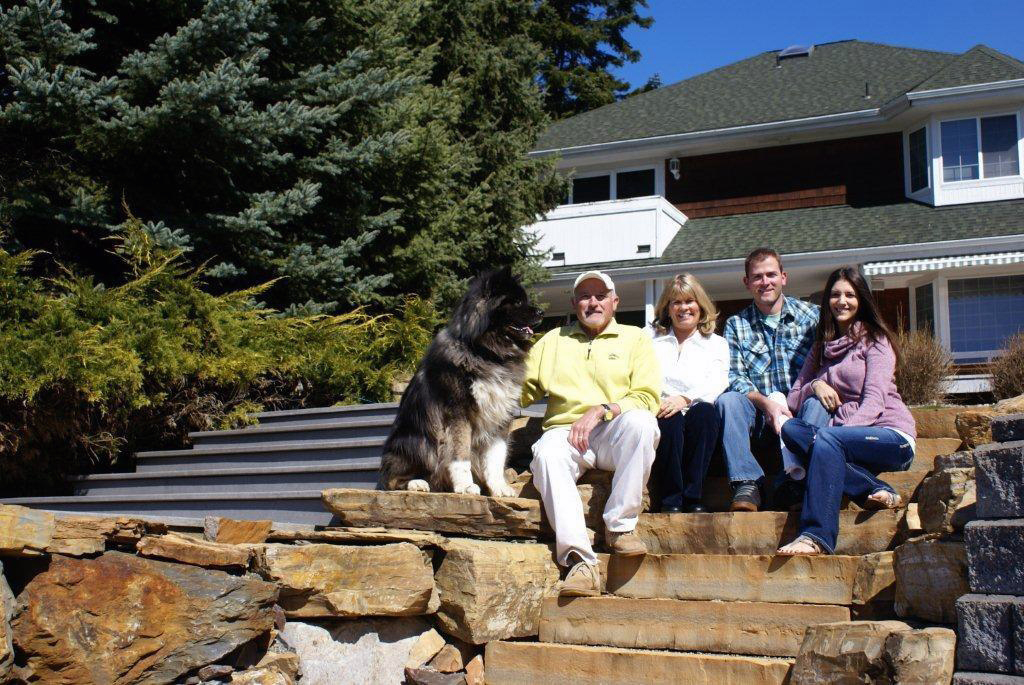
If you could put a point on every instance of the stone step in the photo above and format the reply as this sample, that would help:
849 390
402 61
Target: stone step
718 494
297 453
293 417
334 429
860 532
755 628
929 448
350 473
542 663
302 507
823 579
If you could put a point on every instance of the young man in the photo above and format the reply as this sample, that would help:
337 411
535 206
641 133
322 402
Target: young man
768 342
603 386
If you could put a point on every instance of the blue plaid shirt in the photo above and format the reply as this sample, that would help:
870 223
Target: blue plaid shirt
767 361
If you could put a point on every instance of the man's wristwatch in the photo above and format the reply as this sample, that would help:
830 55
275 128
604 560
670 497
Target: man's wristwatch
608 414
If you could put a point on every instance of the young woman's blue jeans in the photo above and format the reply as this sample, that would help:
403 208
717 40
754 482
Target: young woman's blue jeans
841 460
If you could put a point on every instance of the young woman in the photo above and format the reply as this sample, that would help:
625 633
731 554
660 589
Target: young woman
851 372
695 366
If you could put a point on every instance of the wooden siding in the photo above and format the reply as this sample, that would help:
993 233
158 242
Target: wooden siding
855 171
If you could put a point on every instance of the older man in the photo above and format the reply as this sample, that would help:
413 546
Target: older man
603 383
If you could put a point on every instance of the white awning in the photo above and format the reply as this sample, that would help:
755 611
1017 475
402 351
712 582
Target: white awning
909 266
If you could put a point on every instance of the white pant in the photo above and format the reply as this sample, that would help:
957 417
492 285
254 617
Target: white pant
624 445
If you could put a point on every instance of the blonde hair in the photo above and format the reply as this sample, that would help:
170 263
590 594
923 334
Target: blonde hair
683 285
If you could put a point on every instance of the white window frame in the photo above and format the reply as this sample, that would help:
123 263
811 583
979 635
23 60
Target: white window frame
981 181
613 190
940 301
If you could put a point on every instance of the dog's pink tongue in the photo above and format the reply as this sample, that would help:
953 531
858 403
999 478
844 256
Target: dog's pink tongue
529 331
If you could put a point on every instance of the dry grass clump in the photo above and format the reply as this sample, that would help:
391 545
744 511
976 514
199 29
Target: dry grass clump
1008 369
923 367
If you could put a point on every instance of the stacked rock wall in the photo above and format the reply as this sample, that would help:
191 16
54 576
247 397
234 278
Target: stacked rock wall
991 618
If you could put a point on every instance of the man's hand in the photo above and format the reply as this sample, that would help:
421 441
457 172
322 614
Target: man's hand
672 405
579 432
777 415
827 394
774 412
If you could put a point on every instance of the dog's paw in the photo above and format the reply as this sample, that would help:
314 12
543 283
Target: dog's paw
417 485
501 490
471 489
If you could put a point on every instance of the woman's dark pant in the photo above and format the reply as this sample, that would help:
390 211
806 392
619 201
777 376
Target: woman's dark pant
684 452
841 460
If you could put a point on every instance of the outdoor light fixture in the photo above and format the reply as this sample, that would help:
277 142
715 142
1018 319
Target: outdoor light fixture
673 167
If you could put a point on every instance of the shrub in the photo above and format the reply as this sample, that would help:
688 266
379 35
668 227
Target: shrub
923 367
91 374
1008 369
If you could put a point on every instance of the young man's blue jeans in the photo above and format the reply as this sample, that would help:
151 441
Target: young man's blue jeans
742 422
841 460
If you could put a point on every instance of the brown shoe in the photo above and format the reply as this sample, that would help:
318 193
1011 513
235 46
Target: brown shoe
625 544
746 496
583 580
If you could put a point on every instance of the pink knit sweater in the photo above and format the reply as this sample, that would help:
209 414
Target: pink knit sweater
862 373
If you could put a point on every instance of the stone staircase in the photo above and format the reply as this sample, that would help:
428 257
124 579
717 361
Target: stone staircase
275 469
711 603
278 467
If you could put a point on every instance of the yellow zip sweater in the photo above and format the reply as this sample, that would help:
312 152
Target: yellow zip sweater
617 367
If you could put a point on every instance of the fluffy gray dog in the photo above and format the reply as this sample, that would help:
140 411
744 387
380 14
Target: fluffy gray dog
452 423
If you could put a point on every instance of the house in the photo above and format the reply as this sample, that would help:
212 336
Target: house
904 162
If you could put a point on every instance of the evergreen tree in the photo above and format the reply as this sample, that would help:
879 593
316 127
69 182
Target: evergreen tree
582 41
357 149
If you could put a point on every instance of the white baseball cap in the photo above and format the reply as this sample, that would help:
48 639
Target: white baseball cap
599 275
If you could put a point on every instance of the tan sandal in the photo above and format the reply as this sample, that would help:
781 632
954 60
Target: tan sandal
803 546
883 499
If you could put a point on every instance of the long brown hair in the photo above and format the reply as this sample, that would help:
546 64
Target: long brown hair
685 284
873 327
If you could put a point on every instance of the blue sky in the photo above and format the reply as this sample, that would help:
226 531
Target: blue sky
689 38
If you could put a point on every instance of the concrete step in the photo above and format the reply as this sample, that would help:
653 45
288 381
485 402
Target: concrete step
860 532
350 473
755 628
302 507
298 453
544 663
335 429
825 579
294 417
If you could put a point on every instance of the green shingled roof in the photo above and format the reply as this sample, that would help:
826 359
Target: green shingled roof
980 64
761 90
822 229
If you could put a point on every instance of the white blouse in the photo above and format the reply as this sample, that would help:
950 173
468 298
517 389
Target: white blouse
698 369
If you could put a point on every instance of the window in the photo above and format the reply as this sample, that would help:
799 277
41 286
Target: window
959 150
634 183
918 160
924 306
591 189
983 312
999 146
961 153
613 186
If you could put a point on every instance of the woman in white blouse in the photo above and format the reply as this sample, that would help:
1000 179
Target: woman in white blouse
695 364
